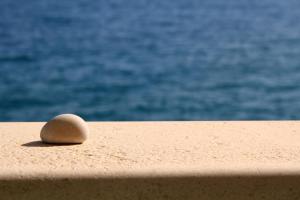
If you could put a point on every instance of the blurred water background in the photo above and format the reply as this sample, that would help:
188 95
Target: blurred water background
150 59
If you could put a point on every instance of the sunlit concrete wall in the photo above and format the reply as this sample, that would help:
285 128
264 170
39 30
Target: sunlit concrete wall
154 160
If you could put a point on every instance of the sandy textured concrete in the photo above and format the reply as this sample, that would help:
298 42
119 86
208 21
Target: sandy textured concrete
154 160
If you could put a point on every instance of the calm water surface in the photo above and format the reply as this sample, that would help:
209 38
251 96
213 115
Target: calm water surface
150 60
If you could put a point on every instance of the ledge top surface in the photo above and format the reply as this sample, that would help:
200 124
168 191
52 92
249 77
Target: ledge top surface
130 148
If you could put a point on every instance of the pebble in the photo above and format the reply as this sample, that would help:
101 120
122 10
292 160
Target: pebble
65 129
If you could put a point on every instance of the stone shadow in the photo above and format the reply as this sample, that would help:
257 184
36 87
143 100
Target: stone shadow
39 143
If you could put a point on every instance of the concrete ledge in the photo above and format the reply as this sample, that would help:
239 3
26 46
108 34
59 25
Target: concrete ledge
154 160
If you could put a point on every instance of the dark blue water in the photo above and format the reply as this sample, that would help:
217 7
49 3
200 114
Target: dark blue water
150 60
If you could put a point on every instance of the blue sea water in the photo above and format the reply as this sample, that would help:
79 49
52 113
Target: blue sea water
150 59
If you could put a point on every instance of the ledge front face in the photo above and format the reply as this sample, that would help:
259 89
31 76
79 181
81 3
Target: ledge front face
154 160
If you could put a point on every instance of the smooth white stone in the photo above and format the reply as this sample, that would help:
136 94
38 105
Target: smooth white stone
65 129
